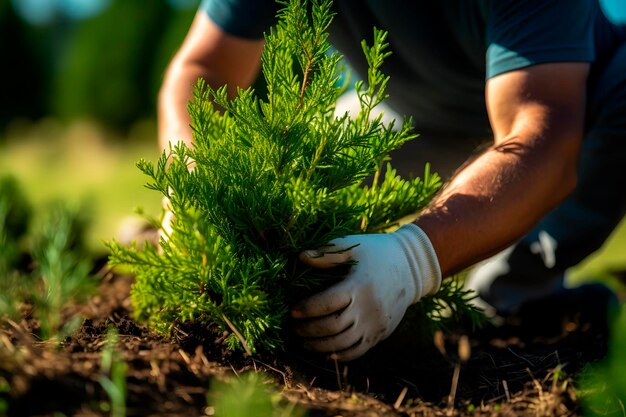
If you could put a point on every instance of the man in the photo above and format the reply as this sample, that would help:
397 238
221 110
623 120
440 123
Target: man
544 79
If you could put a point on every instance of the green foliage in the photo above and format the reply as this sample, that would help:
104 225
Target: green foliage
103 68
452 302
272 177
603 385
61 273
113 379
252 394
118 56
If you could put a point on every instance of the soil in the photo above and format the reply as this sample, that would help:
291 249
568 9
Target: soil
515 369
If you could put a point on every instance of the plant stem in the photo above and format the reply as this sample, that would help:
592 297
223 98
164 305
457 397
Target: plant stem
239 336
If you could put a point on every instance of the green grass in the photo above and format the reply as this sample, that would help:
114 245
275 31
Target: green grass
83 163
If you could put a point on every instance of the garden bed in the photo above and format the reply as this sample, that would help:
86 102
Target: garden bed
509 371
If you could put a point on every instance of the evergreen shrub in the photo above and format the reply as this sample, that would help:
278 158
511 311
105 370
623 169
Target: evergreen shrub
272 177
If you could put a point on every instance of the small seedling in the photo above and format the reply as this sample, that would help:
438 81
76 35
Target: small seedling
251 394
272 177
57 272
113 379
62 275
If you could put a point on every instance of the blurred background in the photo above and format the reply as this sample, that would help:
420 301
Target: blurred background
78 89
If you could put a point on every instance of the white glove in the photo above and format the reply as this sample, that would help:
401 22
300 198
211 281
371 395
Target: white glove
392 272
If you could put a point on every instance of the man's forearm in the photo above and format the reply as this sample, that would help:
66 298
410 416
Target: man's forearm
174 95
496 199
210 53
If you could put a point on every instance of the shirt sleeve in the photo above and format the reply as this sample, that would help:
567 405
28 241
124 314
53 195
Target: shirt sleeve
529 32
242 18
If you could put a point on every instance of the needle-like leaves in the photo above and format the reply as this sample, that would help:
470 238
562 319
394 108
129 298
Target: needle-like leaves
272 177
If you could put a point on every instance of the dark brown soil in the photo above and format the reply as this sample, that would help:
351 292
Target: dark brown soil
510 371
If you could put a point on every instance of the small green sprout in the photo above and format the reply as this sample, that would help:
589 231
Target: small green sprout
62 275
251 394
57 271
113 379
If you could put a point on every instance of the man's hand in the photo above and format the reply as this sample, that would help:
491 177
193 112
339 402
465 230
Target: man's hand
392 271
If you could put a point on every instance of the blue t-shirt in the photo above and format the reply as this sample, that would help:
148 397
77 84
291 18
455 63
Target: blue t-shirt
444 50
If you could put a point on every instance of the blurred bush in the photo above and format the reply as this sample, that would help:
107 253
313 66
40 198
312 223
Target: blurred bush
107 67
113 65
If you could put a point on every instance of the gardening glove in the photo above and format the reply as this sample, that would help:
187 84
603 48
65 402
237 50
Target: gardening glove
392 271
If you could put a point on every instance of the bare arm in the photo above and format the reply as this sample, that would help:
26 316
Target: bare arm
207 52
537 115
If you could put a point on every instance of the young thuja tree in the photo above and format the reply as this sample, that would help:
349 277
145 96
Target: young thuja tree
271 178
250 394
62 275
50 273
